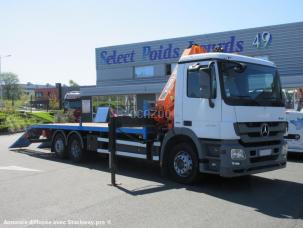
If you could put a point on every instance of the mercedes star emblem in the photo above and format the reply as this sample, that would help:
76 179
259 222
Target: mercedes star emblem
264 130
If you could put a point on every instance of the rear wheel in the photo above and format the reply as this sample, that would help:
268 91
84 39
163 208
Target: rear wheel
59 147
75 151
183 163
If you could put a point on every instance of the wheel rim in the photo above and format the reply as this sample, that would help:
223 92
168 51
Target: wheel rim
75 149
183 164
59 146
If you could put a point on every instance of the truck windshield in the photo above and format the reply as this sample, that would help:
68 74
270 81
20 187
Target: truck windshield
72 104
250 84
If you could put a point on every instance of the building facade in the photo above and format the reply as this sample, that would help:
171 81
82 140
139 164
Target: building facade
50 96
29 88
43 97
129 76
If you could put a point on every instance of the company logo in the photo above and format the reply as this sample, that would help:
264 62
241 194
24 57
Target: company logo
165 52
231 45
264 130
114 57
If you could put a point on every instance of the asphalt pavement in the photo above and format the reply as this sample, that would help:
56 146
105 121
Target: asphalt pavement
38 189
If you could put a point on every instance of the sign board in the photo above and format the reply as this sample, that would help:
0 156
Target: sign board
168 51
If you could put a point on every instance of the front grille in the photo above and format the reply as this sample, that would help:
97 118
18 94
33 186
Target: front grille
257 134
258 124
250 133
260 144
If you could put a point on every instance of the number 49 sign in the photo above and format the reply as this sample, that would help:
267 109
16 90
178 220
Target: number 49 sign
262 40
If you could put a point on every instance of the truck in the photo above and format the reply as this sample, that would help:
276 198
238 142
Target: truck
219 113
294 117
72 102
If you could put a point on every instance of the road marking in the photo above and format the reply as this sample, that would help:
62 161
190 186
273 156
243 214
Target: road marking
18 168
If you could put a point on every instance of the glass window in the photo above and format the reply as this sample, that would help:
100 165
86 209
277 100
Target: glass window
170 68
124 105
291 98
39 94
72 104
193 84
144 71
196 83
251 84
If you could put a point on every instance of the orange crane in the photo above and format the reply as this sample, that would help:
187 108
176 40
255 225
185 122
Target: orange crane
164 113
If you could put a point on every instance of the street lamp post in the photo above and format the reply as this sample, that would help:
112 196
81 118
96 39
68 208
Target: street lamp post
1 87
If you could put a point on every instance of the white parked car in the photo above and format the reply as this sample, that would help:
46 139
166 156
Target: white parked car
295 131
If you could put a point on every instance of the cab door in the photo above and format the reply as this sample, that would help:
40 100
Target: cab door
202 115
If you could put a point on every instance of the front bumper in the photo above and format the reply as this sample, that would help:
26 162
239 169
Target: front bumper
217 159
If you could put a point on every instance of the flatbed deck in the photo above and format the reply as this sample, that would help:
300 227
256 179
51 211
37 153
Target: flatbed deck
96 127
86 128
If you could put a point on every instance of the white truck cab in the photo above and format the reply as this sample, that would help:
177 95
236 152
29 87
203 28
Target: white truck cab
232 107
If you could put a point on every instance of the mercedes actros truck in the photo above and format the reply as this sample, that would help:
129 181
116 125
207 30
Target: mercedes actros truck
219 113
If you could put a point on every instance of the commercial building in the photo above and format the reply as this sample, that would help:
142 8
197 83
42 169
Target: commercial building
132 75
29 88
44 95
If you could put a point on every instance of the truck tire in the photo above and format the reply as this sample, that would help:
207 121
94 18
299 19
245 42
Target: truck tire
183 163
75 151
58 146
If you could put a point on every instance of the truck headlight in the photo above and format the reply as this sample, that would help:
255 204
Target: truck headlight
237 154
284 149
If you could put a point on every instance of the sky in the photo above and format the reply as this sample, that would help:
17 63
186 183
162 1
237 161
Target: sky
54 40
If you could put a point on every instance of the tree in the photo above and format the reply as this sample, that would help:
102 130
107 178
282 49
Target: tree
53 102
74 85
11 87
24 99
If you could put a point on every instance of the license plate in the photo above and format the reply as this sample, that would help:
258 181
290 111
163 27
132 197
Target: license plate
265 152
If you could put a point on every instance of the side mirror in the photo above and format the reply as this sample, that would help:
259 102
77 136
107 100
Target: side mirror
206 85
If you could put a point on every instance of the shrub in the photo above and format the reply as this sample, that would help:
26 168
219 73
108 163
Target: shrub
67 117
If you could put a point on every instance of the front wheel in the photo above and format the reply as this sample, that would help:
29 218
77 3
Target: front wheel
183 163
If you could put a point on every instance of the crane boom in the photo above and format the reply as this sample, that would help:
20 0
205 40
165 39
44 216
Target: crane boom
164 114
